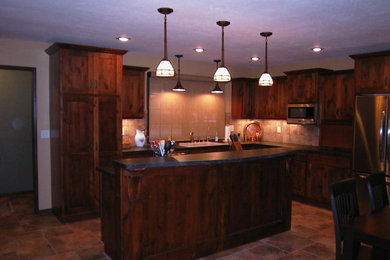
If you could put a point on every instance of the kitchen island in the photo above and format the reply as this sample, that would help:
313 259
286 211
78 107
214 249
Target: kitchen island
189 206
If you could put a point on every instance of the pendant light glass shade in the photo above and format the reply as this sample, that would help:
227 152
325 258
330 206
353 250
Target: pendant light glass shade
165 68
217 89
266 80
178 86
222 74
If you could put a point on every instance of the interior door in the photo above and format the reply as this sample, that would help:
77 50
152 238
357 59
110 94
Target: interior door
16 131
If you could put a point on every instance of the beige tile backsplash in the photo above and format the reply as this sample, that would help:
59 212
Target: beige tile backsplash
174 115
290 133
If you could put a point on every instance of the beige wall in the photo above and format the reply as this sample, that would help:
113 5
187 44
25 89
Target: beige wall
32 54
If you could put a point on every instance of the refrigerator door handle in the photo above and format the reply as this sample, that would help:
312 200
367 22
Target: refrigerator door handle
382 137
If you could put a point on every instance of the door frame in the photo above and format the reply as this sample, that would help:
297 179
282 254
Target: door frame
34 128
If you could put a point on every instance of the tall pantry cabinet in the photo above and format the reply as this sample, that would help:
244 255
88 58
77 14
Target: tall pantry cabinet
85 124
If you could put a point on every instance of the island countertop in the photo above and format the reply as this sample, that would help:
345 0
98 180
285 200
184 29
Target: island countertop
203 158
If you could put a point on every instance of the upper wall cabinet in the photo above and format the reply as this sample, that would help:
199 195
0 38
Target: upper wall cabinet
337 95
88 70
302 86
133 92
243 98
337 99
271 102
372 72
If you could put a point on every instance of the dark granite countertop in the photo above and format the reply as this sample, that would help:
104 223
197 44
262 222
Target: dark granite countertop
203 145
203 158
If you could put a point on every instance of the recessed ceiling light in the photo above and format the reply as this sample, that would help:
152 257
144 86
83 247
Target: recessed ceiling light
317 49
255 58
199 50
123 38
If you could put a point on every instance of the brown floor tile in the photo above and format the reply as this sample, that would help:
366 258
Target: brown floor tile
63 256
37 222
268 252
73 241
92 253
321 250
300 255
57 231
288 241
9 256
34 247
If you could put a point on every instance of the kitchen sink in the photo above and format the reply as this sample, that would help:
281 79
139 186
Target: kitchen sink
199 144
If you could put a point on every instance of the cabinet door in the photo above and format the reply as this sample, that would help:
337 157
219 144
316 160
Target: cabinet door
302 87
109 129
108 136
133 93
372 75
78 155
75 72
298 169
271 102
337 95
243 98
322 171
106 73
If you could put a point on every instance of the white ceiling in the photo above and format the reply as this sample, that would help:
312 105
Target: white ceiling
342 27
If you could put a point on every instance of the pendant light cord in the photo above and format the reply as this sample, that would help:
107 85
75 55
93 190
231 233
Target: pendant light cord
178 70
266 54
223 47
165 38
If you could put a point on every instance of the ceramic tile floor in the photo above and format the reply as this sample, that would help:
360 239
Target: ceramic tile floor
24 235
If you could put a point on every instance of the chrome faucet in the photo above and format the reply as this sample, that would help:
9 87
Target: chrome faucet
192 137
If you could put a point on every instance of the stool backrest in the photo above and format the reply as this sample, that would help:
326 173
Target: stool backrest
377 192
345 206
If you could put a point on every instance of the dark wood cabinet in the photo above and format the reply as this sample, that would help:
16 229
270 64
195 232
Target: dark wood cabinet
372 72
323 170
298 169
271 102
313 172
78 156
251 101
337 99
133 92
85 124
85 72
303 86
189 211
243 98
337 95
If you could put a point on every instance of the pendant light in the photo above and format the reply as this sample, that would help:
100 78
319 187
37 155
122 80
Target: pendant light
217 89
178 86
165 69
266 80
222 74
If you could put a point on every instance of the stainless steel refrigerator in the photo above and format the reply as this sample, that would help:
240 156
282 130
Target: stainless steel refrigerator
371 148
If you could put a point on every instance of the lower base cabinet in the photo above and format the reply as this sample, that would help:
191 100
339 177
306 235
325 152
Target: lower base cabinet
313 172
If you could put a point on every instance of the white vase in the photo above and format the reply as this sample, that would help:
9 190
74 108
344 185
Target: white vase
139 138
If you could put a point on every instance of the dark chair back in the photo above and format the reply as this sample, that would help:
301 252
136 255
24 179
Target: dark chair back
344 206
377 192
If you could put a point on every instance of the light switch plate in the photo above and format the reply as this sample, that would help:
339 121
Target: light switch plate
45 133
278 129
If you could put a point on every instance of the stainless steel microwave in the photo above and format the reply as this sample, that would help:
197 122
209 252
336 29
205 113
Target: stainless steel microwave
303 114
